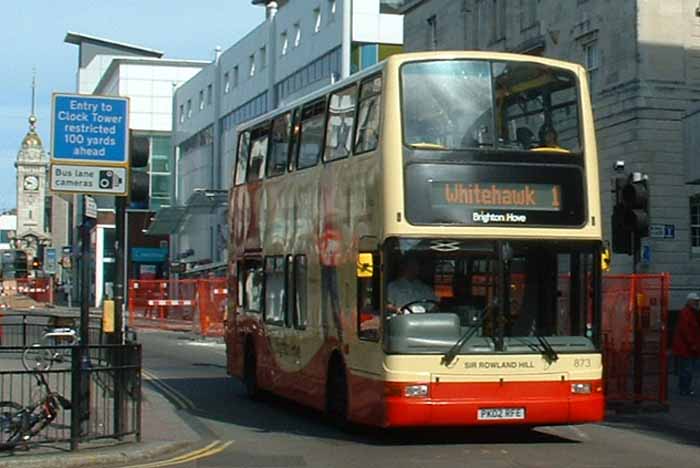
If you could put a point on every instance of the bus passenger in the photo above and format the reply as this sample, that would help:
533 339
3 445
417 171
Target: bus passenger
548 136
408 288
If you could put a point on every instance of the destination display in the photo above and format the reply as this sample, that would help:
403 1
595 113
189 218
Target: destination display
501 196
495 194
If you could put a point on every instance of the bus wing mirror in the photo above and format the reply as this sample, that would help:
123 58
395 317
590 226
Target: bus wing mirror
365 265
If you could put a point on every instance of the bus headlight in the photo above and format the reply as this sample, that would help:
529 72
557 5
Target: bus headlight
581 388
416 391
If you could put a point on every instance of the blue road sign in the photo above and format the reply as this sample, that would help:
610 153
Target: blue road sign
90 129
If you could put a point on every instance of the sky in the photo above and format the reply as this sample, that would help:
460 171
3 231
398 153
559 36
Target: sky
32 38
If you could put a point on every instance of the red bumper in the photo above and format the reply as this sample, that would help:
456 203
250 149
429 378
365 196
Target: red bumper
457 404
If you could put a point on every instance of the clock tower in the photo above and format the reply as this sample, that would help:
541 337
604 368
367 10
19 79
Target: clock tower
31 165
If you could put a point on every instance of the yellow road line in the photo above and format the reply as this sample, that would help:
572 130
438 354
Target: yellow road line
179 398
212 449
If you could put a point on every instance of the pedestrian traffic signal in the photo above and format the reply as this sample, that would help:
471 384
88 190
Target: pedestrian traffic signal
630 219
36 264
139 155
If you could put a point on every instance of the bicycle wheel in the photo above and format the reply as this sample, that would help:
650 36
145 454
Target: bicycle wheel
11 416
38 359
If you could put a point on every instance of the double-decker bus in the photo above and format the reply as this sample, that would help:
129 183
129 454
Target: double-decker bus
420 244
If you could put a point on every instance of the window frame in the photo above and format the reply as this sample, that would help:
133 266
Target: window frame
258 132
268 159
355 87
280 322
296 319
236 178
249 264
360 101
314 108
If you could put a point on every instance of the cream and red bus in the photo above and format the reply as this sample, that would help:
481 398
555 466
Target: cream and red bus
420 244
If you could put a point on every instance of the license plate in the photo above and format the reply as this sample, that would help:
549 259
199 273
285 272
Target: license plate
500 413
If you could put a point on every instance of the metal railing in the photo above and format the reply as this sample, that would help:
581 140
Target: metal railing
104 390
101 381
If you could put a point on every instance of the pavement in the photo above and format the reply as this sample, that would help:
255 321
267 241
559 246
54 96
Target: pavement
165 432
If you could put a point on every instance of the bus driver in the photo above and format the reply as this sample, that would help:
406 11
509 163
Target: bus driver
408 288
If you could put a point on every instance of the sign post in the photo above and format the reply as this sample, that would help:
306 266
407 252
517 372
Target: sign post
89 155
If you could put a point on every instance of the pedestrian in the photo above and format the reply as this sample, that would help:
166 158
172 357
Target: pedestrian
686 342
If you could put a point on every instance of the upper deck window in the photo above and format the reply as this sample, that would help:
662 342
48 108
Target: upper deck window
313 117
475 104
258 152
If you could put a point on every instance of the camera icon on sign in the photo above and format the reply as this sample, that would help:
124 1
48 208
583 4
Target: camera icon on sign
108 179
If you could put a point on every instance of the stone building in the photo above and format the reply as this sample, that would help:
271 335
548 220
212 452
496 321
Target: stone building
643 59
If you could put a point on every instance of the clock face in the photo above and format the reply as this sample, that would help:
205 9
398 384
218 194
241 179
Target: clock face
31 183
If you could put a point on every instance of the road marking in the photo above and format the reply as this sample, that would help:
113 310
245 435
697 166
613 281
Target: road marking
210 450
181 400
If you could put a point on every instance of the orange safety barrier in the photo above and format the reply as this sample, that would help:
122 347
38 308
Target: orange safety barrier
211 301
634 337
167 304
39 289
185 305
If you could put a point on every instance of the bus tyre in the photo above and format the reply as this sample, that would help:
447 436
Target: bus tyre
250 374
337 395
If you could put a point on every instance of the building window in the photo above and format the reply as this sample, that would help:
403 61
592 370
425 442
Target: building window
201 99
182 113
235 76
263 57
317 20
331 10
591 56
432 33
251 67
209 94
227 83
284 42
297 34
189 108
695 224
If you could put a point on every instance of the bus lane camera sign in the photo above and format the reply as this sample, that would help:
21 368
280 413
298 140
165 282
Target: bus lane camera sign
90 129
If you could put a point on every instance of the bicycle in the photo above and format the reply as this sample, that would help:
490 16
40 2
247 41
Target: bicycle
22 423
40 356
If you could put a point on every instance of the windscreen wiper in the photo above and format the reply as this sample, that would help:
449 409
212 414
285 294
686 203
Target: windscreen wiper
451 354
548 352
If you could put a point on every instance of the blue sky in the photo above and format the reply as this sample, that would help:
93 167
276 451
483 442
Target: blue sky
32 36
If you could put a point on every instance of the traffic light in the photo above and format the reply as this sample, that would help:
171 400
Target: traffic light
139 153
36 264
630 219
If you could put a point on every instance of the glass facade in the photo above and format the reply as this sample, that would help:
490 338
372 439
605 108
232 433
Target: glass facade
161 174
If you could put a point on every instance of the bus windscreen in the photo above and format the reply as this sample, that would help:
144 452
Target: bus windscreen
477 104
